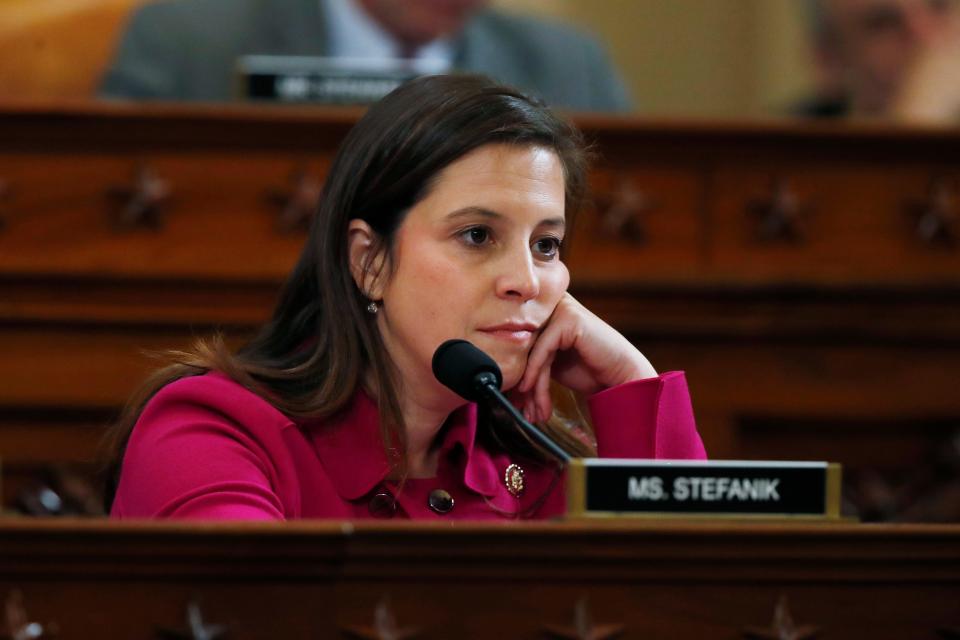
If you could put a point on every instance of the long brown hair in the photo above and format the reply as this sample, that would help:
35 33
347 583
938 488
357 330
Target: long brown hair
320 344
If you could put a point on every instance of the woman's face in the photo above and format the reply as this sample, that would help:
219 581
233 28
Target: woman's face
478 259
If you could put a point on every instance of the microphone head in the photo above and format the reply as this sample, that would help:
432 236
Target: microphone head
457 363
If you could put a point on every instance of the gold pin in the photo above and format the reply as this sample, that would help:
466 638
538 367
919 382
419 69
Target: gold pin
513 478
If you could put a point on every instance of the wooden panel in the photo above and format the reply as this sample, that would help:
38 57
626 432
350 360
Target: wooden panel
645 225
666 579
61 218
856 322
38 445
95 367
855 226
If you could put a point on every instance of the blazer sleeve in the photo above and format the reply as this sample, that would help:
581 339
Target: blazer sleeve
650 418
202 450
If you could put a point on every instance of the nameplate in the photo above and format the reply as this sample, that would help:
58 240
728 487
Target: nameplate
720 488
336 81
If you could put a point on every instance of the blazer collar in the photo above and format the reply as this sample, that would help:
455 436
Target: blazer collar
351 450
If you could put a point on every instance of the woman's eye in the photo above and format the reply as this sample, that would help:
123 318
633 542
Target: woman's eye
547 247
476 236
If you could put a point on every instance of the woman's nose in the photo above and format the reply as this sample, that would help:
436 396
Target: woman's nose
517 278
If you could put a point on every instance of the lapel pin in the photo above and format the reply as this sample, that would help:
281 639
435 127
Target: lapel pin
513 478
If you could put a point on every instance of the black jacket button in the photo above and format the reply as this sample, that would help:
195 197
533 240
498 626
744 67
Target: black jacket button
440 501
382 505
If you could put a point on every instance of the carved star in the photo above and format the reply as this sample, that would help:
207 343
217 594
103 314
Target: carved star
783 627
583 627
142 203
384 625
39 500
780 215
935 217
297 204
17 625
625 210
197 629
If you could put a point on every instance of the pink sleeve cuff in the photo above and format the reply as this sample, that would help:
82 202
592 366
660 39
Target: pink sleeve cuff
650 418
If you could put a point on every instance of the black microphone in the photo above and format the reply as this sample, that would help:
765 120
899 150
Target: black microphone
474 375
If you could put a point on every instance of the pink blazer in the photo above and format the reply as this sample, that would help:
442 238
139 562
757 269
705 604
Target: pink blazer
206 448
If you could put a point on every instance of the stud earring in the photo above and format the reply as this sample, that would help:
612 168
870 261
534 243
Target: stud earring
373 308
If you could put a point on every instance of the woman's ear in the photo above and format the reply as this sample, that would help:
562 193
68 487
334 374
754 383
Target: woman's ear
367 258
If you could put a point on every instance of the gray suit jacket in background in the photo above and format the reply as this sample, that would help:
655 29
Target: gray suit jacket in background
188 49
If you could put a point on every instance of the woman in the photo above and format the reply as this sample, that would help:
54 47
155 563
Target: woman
442 217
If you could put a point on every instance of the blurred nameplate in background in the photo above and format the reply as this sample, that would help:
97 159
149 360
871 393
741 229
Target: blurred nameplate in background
340 81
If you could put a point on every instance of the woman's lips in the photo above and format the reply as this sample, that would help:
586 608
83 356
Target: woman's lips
518 332
511 335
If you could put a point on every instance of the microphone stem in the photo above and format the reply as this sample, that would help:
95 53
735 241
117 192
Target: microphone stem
533 431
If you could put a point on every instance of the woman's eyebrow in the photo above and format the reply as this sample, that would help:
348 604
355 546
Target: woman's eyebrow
494 215
473 211
556 223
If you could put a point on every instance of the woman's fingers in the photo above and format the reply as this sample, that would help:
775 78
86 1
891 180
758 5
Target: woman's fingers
541 393
541 350
549 342
590 355
528 407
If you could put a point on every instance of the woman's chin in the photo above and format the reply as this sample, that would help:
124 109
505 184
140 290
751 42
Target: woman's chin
512 373
511 358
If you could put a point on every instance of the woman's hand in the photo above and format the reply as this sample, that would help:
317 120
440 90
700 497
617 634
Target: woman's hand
581 352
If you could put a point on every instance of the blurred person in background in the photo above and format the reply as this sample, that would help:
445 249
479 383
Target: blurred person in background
188 49
897 59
